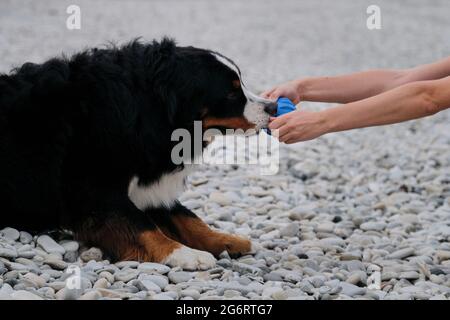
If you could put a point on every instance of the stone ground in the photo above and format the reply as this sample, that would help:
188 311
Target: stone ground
341 209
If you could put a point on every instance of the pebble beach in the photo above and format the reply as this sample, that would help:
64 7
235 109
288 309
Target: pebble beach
342 210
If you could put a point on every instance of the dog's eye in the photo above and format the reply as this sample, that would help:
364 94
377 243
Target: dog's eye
236 84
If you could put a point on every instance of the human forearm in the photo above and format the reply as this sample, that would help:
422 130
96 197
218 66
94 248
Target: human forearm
407 102
432 71
361 85
348 88
410 101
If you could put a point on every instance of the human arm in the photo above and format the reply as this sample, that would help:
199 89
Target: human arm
356 86
407 102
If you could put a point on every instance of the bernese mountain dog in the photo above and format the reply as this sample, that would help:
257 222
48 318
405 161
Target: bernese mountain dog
85 145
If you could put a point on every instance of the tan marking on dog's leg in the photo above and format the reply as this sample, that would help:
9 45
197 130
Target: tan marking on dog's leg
157 245
122 241
162 249
193 232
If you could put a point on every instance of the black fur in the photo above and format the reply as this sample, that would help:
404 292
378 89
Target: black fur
74 131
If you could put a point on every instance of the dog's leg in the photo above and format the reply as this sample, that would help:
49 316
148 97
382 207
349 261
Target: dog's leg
183 225
129 234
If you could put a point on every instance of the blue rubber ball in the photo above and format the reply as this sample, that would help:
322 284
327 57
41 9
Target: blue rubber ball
284 106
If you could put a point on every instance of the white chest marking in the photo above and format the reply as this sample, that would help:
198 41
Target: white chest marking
161 193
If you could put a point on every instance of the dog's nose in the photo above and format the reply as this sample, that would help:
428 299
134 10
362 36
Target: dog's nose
271 108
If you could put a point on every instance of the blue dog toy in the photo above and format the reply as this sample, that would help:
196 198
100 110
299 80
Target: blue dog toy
284 106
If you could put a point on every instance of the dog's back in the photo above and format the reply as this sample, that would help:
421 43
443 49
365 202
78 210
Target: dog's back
32 138
62 123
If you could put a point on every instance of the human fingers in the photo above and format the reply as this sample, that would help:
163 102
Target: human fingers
274 95
291 140
278 122
285 137
284 130
266 94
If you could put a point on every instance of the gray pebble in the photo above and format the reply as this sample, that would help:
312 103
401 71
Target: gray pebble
291 230
410 275
91 254
351 290
91 295
180 276
243 268
25 237
70 256
162 296
127 264
150 267
401 254
7 251
194 294
126 275
273 276
372 226
148 285
70 246
56 264
225 263
50 245
101 283
24 295
355 265
10 234
159 280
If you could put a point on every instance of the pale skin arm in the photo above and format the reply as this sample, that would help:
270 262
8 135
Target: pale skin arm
356 86
407 102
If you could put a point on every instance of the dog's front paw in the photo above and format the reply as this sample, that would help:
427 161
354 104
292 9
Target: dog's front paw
235 245
190 259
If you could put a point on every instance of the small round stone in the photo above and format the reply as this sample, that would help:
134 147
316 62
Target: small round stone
180 276
150 267
25 237
126 275
70 246
91 254
10 234
50 245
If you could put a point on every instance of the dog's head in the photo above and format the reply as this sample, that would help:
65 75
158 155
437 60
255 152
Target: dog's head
208 87
233 105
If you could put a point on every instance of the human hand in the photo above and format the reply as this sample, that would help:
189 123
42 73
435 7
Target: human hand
299 126
289 90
